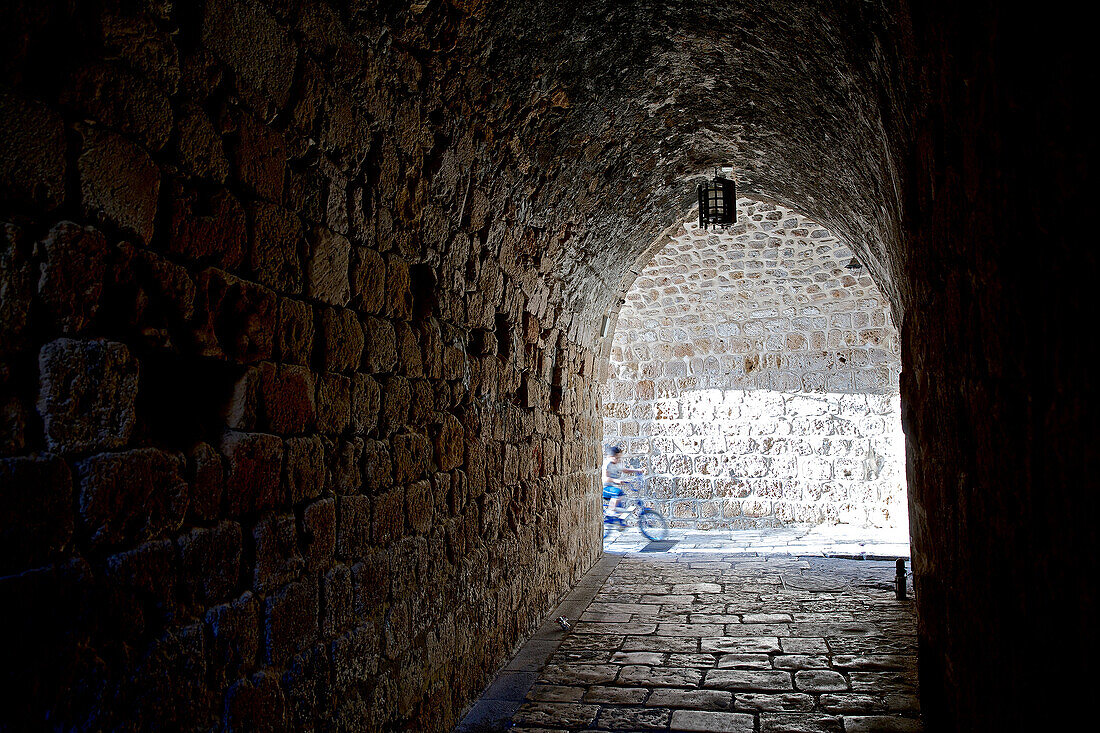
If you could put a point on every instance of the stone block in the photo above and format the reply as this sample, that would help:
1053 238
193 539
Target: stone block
808 722
113 96
305 468
380 353
419 506
368 278
36 511
234 630
388 516
327 268
371 580
288 399
290 621
278 243
254 467
133 495
718 722
234 318
307 687
173 679
278 560
87 394
319 533
139 588
334 394
207 477
336 606
256 703
344 459
16 285
353 527
398 289
260 51
341 339
207 226
355 657
450 443
210 562
119 183
199 147
295 332
412 457
243 409
32 152
366 402
162 292
257 154
409 361
377 467
73 268
396 398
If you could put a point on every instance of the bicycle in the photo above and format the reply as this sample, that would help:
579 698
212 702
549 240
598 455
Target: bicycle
651 523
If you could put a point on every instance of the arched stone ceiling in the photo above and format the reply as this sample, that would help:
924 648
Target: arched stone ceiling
626 104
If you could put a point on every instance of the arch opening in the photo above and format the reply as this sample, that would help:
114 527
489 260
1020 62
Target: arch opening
755 377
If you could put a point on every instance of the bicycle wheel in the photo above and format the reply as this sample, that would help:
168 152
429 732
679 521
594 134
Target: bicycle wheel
652 524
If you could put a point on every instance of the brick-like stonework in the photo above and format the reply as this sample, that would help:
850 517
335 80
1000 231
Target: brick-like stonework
755 377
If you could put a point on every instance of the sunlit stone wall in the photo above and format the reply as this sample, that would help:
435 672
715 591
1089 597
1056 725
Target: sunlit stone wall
755 377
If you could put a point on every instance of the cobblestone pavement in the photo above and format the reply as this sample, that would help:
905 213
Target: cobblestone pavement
703 642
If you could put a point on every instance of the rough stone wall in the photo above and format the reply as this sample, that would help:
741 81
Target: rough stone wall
755 378
283 446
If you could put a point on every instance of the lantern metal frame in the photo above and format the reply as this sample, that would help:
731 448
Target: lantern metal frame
717 201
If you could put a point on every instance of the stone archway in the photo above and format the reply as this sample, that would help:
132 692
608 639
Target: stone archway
301 301
755 376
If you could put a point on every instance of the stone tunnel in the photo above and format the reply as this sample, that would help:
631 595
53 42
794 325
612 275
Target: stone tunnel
302 345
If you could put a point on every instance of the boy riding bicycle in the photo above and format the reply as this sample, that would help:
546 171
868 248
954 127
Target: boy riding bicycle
613 480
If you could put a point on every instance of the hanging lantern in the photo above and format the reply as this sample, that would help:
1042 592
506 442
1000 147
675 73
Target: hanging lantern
717 201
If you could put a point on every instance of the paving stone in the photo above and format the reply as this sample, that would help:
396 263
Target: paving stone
694 699
820 680
902 703
741 645
799 723
746 661
682 588
777 630
584 674
556 693
681 644
802 645
555 714
730 679
616 695
703 661
650 658
873 662
781 702
848 703
766 618
714 618
715 722
634 719
660 676
799 661
882 682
